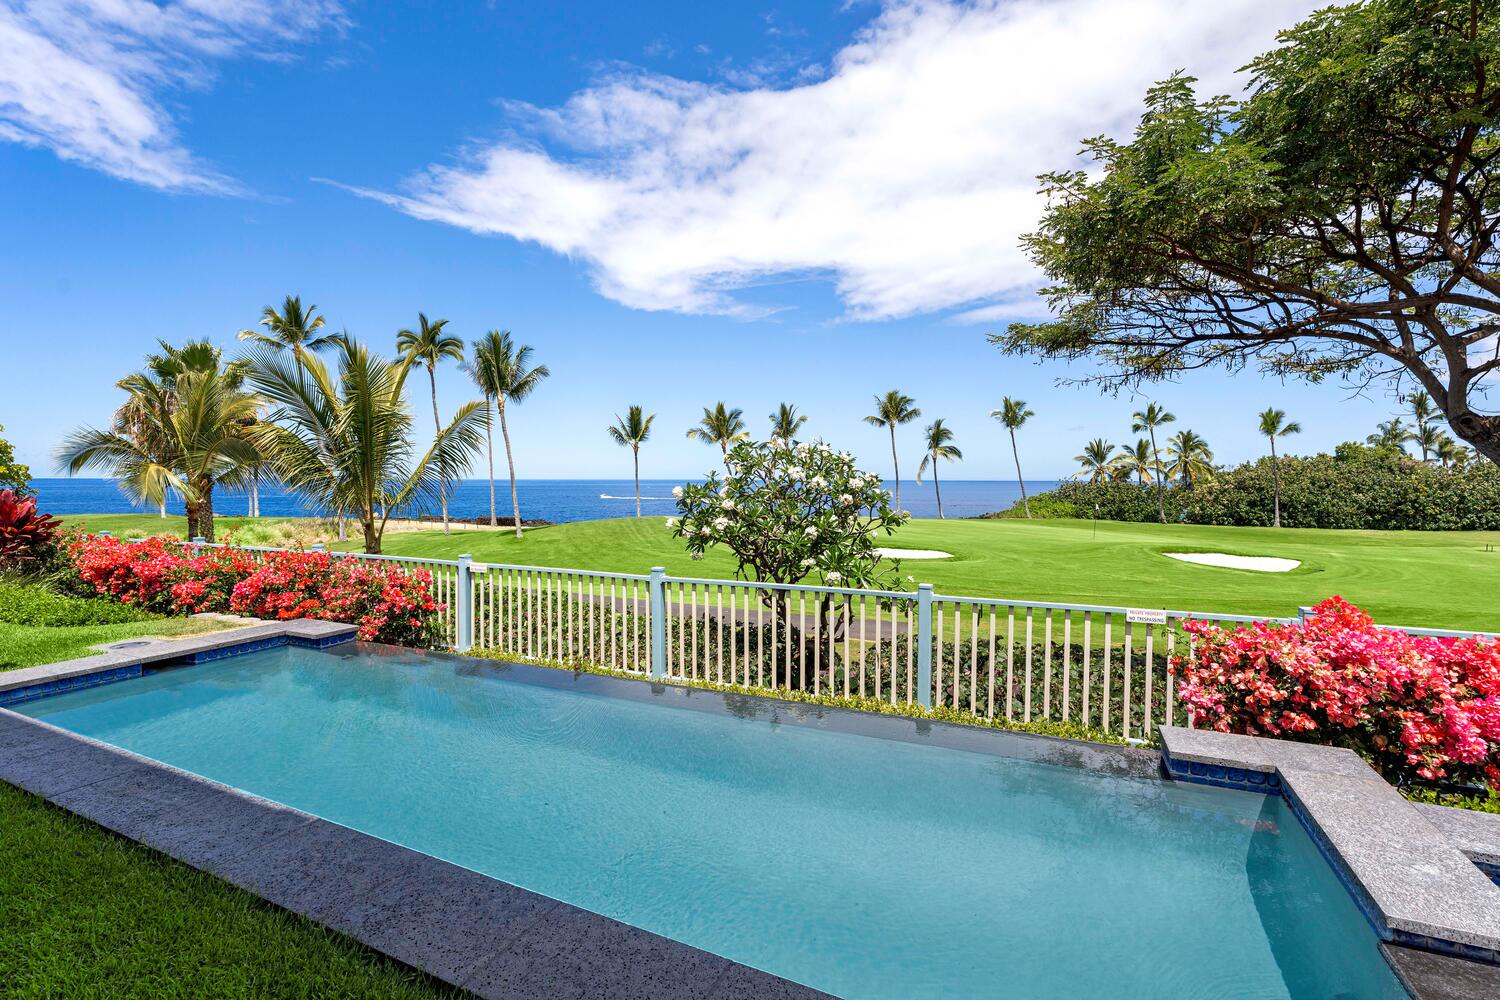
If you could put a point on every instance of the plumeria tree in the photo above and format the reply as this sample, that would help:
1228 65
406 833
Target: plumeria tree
793 513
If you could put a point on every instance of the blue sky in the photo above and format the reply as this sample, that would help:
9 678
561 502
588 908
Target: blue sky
674 203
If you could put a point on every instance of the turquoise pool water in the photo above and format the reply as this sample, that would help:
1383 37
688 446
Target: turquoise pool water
864 866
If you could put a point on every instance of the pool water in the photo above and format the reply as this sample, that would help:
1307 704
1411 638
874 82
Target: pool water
863 866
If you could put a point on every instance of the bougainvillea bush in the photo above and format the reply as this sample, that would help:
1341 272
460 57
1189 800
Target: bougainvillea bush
1416 707
158 574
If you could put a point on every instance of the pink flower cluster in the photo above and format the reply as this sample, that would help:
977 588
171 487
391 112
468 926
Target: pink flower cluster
387 603
1414 706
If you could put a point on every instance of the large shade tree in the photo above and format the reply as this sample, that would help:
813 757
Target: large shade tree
343 440
1340 221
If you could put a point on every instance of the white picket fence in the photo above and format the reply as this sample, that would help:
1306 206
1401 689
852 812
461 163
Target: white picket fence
1100 666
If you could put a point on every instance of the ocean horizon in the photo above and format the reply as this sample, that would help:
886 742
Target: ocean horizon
559 500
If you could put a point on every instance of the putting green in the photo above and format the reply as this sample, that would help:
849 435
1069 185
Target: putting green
1434 579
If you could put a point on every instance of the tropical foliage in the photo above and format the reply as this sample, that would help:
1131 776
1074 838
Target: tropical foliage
188 426
631 431
722 426
344 443
937 446
13 475
24 534
786 422
503 371
892 410
1273 424
1417 707
1012 414
427 346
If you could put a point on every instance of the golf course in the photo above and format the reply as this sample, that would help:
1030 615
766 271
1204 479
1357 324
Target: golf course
1429 579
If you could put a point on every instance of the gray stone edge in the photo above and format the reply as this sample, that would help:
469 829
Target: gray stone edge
465 928
1477 834
159 650
1403 888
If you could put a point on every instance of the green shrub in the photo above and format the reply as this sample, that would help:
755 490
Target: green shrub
1488 803
38 607
1357 487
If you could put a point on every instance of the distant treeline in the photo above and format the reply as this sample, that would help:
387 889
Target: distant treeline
1356 487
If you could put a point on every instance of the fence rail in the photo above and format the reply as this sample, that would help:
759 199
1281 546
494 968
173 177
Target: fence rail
1101 666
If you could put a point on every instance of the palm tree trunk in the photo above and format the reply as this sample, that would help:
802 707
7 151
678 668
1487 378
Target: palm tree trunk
515 503
1161 492
896 466
636 451
206 512
1025 504
437 426
162 507
937 487
1276 477
489 434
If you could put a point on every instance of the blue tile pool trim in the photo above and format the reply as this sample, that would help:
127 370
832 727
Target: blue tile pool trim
256 645
1239 778
1346 878
47 688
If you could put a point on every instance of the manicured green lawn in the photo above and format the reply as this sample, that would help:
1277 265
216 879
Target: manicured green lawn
28 646
1436 579
84 913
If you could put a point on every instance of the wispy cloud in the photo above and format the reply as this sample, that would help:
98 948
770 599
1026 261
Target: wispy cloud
86 78
905 173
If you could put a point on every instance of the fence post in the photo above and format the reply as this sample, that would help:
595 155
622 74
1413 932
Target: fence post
657 589
924 645
199 540
1304 613
464 640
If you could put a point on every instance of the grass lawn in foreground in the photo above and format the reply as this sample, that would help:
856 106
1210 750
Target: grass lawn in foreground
84 913
1435 579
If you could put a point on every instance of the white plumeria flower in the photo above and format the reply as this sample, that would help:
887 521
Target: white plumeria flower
721 523
671 522
846 499
808 564
677 492
795 472
727 505
911 579
705 531
724 490
776 442
810 531
832 576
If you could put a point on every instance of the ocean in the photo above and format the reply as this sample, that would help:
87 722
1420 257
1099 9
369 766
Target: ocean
546 499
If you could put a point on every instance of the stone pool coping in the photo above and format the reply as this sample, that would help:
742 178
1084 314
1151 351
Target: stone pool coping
1413 882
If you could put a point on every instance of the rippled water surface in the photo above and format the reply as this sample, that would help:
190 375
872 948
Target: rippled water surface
865 867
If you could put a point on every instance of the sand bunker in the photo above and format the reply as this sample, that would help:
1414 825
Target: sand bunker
1261 564
914 553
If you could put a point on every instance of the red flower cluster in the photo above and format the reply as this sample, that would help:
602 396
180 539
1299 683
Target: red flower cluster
387 603
1415 706
23 532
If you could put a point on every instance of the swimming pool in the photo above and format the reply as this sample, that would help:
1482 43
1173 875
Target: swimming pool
768 833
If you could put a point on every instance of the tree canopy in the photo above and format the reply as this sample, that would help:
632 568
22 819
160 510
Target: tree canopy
1339 221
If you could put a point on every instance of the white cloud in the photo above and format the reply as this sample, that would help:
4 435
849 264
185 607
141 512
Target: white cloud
905 175
84 78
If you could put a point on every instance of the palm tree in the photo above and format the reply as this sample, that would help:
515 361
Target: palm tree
890 410
630 431
501 370
786 422
427 345
939 445
1423 410
721 426
1192 459
1149 419
293 327
1392 433
1096 460
1451 453
482 369
183 428
1427 437
344 443
1013 413
1273 424
1135 461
